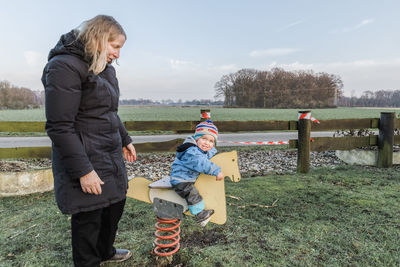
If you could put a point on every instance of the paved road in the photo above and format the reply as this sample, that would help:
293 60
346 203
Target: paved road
44 141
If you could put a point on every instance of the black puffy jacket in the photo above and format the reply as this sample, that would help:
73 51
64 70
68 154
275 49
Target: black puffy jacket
86 132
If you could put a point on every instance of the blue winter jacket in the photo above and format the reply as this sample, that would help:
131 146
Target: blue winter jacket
190 161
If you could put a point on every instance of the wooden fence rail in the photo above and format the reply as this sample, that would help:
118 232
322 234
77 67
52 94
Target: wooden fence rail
223 126
386 124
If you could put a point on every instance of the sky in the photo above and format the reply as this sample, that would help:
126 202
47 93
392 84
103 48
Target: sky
179 49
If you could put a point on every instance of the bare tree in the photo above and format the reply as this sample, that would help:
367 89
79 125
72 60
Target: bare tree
13 97
279 89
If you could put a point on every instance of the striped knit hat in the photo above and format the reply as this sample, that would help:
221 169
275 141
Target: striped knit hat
205 127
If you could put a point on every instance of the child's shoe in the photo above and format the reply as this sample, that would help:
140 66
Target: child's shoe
204 217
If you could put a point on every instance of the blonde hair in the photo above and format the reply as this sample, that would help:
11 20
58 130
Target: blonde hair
95 35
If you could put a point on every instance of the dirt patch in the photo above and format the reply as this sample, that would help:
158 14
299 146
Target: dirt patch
201 239
204 238
24 165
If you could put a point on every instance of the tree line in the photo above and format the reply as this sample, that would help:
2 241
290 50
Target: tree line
246 88
381 98
250 88
14 97
170 102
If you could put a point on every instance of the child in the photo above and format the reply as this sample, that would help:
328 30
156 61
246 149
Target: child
192 158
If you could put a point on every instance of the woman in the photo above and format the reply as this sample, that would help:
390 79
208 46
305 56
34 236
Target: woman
88 138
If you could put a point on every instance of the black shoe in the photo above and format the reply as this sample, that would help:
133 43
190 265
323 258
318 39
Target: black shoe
120 255
204 217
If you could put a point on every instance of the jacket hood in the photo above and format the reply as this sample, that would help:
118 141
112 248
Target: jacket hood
189 142
68 45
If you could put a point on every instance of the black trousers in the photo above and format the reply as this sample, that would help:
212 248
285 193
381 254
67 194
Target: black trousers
93 234
189 192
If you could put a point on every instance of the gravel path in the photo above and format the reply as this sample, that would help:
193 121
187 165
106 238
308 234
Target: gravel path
156 165
251 164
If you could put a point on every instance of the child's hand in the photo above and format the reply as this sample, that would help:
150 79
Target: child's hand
220 176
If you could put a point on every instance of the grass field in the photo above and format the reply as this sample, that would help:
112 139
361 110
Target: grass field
347 216
133 113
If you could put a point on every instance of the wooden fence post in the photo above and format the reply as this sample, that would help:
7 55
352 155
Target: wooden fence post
386 140
205 114
303 149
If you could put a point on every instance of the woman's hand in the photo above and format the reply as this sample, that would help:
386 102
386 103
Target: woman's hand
129 152
220 176
91 183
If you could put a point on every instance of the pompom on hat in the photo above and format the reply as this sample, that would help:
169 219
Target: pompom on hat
206 127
